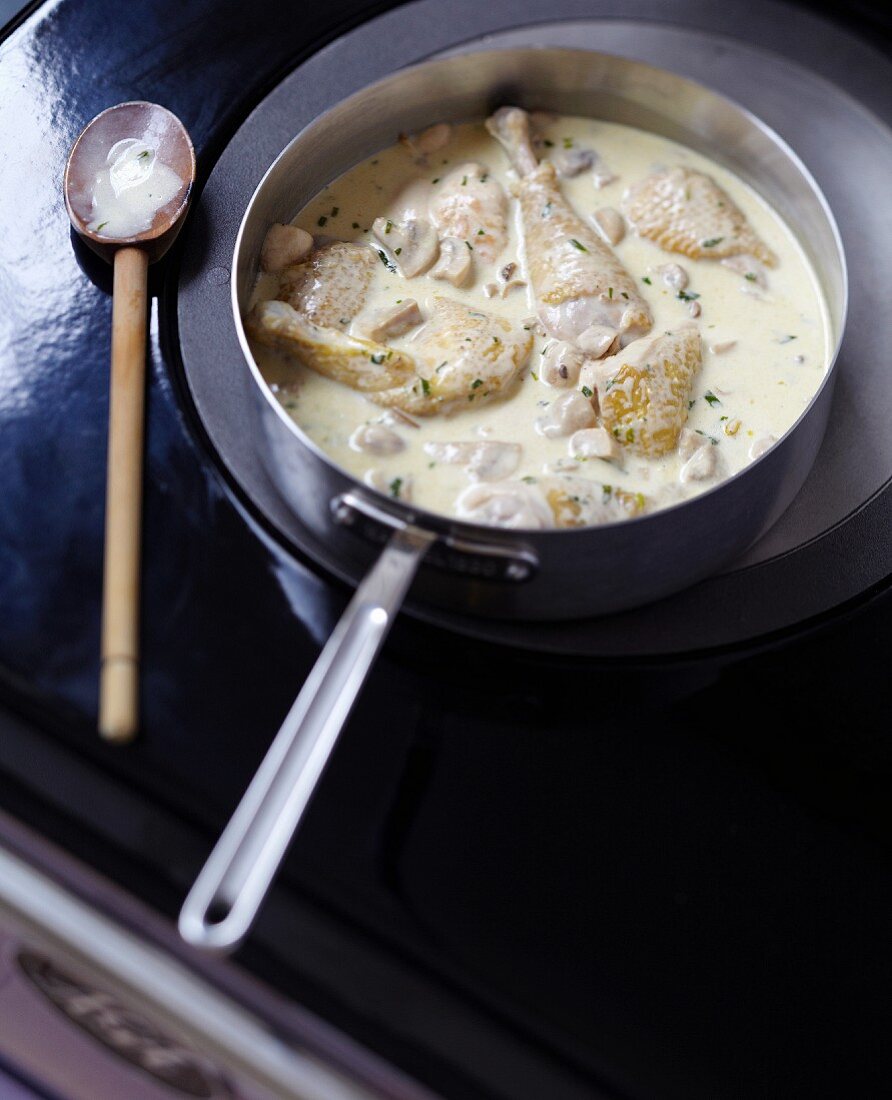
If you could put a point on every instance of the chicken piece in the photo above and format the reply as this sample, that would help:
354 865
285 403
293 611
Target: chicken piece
577 279
329 288
393 320
470 205
461 357
360 364
487 461
643 391
578 502
283 246
686 211
454 264
413 243
701 465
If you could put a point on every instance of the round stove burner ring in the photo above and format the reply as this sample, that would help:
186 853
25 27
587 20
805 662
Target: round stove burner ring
830 546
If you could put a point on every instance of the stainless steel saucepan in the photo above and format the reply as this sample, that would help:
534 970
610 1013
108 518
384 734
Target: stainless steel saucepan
485 571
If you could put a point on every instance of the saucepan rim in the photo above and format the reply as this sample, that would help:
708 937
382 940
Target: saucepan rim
408 513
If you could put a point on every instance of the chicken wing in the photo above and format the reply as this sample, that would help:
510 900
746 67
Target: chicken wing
686 211
643 390
576 277
361 364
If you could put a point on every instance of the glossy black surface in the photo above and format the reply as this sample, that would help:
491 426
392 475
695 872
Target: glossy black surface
523 878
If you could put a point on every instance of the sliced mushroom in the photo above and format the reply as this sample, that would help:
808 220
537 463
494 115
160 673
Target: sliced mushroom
694 309
434 137
597 340
397 486
701 465
375 439
689 442
488 461
760 446
508 280
454 264
561 364
393 320
572 162
602 176
491 289
283 246
511 504
567 414
593 443
414 244
722 346
610 224
396 418
673 275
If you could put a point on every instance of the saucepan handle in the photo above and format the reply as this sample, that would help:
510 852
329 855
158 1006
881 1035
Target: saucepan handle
229 891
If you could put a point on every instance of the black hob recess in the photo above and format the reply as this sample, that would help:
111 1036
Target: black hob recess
642 857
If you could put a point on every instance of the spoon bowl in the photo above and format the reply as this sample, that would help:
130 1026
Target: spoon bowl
155 127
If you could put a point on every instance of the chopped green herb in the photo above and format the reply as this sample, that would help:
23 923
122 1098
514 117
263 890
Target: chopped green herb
546 210
582 248
568 143
529 479
388 225
437 180
101 225
464 181
484 177
334 211
691 404
607 490
356 225
646 279
587 392
630 435
377 359
750 276
145 153
470 246
496 340
476 383
712 439
395 486
710 398
534 376
712 242
445 363
431 465
640 500
548 144
481 232
397 251
687 295
610 292
625 296
322 220
786 339
384 260
425 386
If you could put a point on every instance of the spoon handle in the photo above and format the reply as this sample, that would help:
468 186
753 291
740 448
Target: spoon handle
119 673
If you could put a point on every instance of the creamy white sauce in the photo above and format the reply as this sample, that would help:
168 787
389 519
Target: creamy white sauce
745 395
130 189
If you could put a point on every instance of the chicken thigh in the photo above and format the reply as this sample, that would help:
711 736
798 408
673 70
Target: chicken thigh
329 288
577 279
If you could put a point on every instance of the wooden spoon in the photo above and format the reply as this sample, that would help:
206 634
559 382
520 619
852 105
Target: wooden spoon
147 239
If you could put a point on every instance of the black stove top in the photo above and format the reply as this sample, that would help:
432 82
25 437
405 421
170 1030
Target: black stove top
524 876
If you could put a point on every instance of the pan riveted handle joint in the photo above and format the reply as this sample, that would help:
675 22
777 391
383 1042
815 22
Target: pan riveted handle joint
488 560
